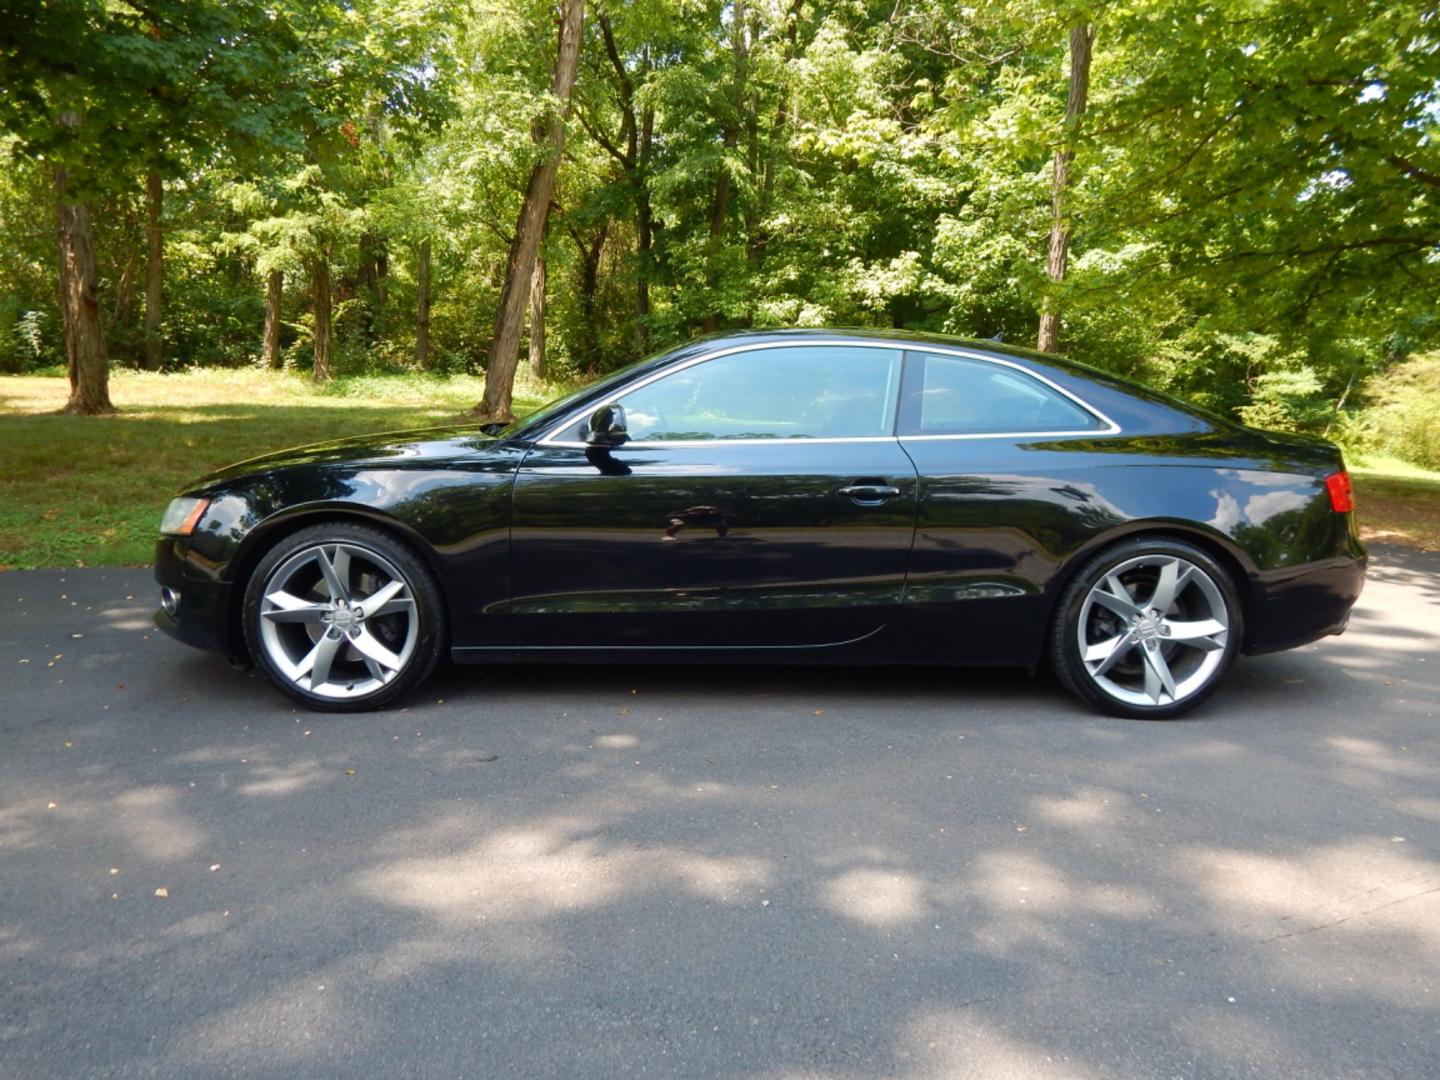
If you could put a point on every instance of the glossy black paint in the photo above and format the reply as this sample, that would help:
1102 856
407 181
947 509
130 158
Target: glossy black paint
723 550
709 544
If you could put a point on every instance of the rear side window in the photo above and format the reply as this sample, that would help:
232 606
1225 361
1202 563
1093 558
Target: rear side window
954 395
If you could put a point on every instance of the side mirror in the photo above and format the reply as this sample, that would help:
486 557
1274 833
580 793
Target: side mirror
607 427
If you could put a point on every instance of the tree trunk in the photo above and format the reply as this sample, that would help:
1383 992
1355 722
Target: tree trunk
124 306
320 299
644 234
422 308
1082 40
638 136
154 270
274 293
373 274
510 319
537 319
729 139
88 365
589 284
759 236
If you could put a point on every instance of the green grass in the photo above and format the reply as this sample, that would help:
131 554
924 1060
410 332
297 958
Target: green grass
88 491
1397 502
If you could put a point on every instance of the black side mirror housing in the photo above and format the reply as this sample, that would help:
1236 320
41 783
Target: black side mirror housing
607 427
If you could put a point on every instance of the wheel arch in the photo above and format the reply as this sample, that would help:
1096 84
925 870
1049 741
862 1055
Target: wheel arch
1229 557
277 527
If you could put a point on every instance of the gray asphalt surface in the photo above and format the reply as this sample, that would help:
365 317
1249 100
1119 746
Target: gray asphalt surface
579 872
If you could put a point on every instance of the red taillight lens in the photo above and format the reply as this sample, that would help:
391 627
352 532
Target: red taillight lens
1342 499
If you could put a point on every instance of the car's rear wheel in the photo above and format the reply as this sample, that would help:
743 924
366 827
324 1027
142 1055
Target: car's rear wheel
1147 628
343 617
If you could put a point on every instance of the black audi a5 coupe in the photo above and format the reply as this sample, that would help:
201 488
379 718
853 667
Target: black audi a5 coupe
793 496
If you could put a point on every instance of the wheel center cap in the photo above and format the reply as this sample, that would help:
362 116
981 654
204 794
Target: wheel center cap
1149 627
343 618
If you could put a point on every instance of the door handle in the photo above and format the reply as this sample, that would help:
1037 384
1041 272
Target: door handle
870 492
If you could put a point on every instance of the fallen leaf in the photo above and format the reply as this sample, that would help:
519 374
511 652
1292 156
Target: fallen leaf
162 892
349 772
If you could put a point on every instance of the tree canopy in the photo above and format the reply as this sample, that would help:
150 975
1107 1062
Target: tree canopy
1248 200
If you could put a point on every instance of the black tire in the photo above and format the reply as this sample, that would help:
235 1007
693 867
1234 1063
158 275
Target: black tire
1143 636
385 557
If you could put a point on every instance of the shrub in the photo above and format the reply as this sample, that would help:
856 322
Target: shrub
1405 410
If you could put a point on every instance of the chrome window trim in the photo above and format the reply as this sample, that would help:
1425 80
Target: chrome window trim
1109 428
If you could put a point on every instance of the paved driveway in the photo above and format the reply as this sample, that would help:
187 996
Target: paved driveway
587 873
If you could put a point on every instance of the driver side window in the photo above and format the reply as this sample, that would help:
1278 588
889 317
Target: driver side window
784 392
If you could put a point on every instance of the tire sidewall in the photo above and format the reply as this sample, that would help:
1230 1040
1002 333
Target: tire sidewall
1064 645
430 640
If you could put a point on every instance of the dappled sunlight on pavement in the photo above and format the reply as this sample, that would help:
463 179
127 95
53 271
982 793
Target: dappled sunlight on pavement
832 875
548 866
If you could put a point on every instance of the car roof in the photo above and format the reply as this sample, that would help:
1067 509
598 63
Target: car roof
900 337
1142 407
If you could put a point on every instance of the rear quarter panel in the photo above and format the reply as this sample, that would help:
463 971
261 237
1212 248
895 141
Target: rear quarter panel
1003 525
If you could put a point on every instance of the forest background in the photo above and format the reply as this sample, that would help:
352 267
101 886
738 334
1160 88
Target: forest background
373 212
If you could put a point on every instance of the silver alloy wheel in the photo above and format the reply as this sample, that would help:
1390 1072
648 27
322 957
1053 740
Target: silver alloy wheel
338 620
1153 630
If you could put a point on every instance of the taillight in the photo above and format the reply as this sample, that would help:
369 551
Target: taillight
1342 499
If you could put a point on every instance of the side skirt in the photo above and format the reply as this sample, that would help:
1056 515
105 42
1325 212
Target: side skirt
775 656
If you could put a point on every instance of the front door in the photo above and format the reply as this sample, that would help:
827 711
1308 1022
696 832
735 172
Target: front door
762 500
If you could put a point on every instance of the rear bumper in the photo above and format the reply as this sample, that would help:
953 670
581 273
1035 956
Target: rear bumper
1299 606
202 614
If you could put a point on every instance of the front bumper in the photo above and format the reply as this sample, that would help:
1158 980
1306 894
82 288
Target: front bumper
204 614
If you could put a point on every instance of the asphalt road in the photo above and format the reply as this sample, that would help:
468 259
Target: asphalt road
579 872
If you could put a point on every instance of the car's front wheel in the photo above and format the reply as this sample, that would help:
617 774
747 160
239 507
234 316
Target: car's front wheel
343 617
1147 628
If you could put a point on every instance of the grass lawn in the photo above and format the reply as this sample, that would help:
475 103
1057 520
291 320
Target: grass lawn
1397 502
88 491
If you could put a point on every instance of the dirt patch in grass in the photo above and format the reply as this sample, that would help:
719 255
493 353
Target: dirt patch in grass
1398 510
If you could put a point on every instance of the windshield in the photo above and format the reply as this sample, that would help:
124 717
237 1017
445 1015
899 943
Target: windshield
546 414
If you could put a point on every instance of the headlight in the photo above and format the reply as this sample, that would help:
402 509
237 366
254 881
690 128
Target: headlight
182 515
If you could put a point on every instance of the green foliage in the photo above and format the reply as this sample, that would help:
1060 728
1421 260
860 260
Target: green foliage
1252 209
1404 419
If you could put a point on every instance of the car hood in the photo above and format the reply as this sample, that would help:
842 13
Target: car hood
390 448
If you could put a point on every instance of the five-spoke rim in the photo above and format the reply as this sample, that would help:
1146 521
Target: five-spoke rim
1153 630
338 620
